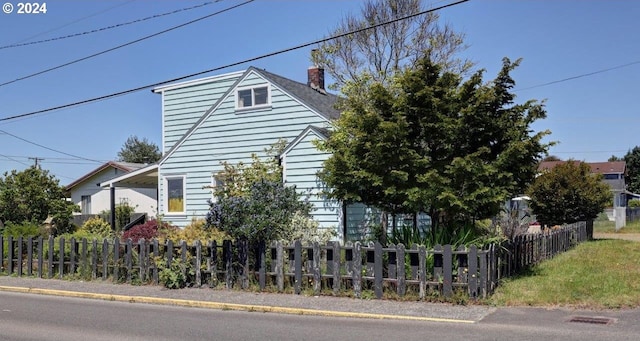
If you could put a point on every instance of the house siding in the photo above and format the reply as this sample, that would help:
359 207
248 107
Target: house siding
302 164
182 107
228 135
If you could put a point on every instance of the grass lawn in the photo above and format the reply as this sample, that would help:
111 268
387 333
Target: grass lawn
596 274
605 226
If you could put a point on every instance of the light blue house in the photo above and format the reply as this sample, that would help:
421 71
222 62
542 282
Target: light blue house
227 118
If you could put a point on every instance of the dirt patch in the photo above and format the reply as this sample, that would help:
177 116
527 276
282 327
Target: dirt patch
626 236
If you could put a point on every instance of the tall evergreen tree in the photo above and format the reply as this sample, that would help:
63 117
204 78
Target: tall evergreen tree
632 178
430 142
137 150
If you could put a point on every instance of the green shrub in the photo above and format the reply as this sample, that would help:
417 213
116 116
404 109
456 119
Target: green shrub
197 230
634 203
25 230
176 275
96 227
306 229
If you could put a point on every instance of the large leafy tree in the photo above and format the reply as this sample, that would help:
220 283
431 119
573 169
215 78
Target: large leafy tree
632 159
33 195
430 142
378 54
567 193
139 151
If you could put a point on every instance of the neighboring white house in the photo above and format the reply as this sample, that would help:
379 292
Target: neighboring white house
93 199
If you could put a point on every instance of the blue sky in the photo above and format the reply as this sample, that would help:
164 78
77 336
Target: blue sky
592 117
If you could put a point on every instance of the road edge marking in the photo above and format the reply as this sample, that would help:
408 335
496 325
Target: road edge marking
226 306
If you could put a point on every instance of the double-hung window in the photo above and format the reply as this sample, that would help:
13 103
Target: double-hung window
254 97
85 204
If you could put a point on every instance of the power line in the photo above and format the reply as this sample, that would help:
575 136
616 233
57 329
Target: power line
47 148
580 76
109 27
126 92
14 160
75 21
125 44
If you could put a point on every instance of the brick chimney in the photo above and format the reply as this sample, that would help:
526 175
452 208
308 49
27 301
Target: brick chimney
315 78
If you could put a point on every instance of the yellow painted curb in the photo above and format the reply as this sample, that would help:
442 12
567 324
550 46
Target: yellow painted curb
224 306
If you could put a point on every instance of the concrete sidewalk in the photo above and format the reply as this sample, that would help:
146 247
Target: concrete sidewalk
250 301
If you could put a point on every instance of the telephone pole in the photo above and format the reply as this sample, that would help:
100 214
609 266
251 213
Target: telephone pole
36 161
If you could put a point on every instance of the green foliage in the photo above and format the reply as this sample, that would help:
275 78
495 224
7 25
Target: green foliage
465 235
632 178
198 229
25 230
238 178
435 144
568 193
123 215
264 214
633 203
34 195
139 151
174 276
96 227
379 53
304 228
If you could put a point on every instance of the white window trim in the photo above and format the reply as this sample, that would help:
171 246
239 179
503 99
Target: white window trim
184 195
261 106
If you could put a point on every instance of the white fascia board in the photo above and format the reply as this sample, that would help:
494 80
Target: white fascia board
198 81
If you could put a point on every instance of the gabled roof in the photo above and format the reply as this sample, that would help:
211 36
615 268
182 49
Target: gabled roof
596 167
320 102
123 166
323 133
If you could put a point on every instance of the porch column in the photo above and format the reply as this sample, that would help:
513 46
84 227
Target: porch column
112 190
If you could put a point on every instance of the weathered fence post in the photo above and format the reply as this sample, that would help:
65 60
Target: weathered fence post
30 256
40 256
357 269
105 259
50 255
10 255
142 259
116 259
377 270
156 254
227 254
83 257
336 267
198 262
61 259
213 263
128 259
297 255
261 254
316 269
422 270
243 259
472 275
279 269
94 259
401 285
19 256
447 264
1 253
483 275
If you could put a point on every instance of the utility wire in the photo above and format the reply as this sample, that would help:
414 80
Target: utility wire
125 92
14 160
579 76
109 27
75 21
126 44
51 149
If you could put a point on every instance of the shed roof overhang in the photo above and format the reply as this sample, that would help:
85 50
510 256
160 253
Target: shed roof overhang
146 177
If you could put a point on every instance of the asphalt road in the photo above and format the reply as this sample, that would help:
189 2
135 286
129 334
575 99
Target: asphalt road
38 317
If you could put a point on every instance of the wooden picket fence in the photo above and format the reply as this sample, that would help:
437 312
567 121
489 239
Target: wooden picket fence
371 269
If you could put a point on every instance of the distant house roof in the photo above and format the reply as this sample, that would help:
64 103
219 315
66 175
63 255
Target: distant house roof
596 167
123 166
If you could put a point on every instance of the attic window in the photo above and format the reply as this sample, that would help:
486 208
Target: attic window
254 97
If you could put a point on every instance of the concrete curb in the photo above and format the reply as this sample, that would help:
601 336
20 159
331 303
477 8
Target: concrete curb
225 306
